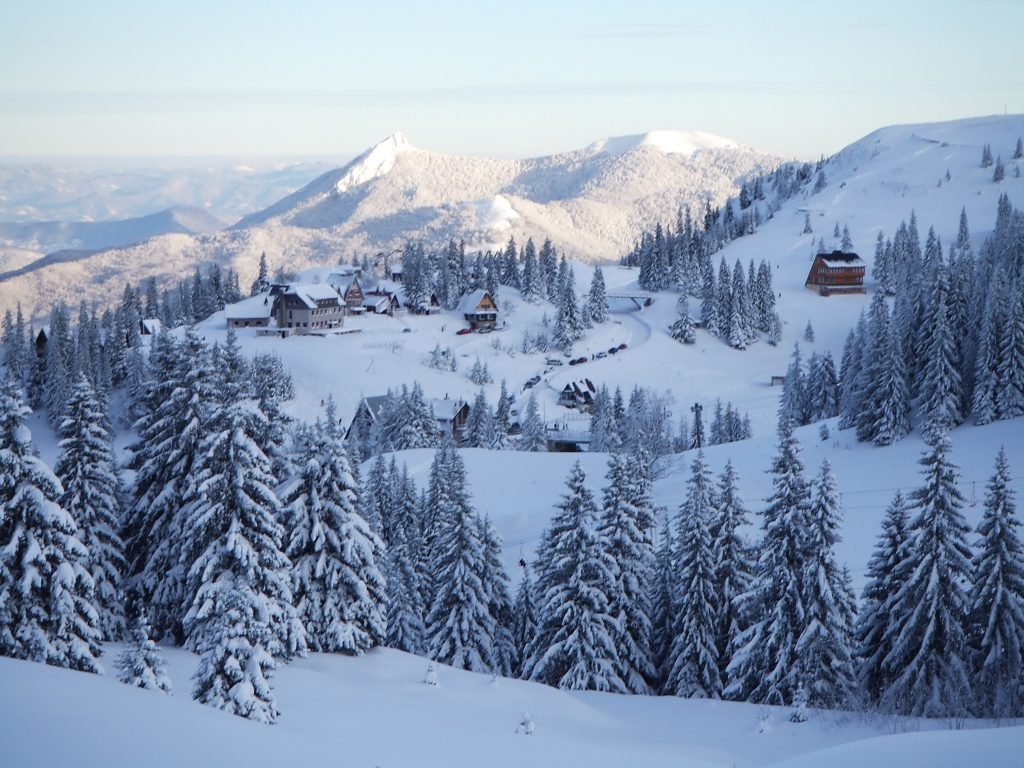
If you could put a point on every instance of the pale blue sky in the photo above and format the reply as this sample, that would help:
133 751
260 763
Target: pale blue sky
115 77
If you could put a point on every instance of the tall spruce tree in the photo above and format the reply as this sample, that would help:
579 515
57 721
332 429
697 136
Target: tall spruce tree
626 532
884 580
461 628
997 602
46 592
929 661
734 567
764 667
575 643
337 583
825 646
693 664
91 496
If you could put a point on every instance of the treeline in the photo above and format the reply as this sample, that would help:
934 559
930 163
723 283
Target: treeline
950 347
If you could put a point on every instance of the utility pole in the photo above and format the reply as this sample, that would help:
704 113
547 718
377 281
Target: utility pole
697 436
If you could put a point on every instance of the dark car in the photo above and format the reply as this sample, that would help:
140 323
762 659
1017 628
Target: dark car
463 331
574 361
622 345
613 350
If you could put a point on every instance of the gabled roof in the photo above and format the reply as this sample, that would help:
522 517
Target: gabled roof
311 293
841 259
471 301
259 306
151 325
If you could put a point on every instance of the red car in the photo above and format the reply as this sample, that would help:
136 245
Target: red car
463 331
622 345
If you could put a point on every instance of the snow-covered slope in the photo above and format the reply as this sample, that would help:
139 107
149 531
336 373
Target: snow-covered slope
50 236
376 711
592 200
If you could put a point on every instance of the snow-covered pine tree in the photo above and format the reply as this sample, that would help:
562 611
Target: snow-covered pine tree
597 299
997 602
626 532
502 421
140 664
682 329
809 333
46 593
262 282
929 660
499 603
405 630
1010 381
238 580
179 403
533 436
337 585
569 322
461 629
940 389
575 643
999 171
524 618
479 429
235 666
734 567
847 241
87 472
693 664
793 404
825 646
764 665
884 576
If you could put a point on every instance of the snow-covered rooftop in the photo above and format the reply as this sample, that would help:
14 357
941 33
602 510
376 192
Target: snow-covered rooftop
471 301
258 306
311 293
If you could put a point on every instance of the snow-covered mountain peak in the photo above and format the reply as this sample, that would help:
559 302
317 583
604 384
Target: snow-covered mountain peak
670 142
375 162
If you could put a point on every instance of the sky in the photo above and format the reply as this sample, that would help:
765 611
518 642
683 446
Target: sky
508 79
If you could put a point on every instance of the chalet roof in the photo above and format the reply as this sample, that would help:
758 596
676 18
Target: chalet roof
841 259
471 301
255 307
151 325
376 300
311 293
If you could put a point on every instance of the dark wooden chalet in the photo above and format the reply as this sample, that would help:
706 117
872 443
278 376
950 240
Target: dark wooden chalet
836 272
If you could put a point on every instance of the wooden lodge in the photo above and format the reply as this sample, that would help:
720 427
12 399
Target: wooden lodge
479 309
836 272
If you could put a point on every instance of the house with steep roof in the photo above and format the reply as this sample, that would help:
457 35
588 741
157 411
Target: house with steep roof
479 309
836 272
309 307
253 312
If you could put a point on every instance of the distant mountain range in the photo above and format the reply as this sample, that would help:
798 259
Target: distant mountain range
49 236
592 202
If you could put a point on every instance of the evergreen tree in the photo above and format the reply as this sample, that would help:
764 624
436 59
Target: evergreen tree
533 436
693 668
824 648
568 323
997 602
682 329
764 666
597 300
885 574
140 664
46 592
337 585
461 628
575 643
999 172
479 429
235 666
524 619
91 496
734 567
625 530
237 590
928 663
499 603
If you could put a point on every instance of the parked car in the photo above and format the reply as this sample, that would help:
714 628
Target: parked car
578 360
463 331
574 361
532 381
622 345
553 361
613 350
600 355
407 330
